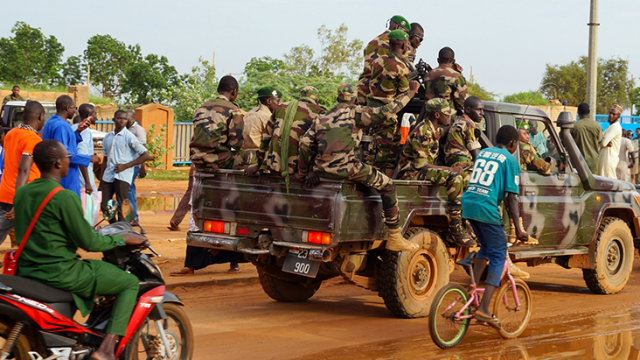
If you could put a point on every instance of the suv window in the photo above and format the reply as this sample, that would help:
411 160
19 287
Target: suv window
545 144
15 117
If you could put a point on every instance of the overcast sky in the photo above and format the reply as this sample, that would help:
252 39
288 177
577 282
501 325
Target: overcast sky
507 42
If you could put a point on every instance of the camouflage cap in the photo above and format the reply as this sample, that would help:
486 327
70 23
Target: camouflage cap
311 93
398 35
522 125
439 105
617 108
346 92
268 91
400 20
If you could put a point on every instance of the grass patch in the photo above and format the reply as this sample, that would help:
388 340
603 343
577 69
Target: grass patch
99 100
168 174
62 89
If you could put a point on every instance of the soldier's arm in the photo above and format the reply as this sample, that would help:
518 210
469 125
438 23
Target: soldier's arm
266 139
473 145
308 149
459 93
236 127
367 116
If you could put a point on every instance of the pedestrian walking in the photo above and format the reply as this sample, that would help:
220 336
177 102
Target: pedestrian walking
183 206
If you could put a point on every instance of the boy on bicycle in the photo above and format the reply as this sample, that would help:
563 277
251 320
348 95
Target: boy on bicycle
496 173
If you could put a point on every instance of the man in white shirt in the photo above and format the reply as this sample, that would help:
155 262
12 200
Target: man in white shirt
610 144
138 171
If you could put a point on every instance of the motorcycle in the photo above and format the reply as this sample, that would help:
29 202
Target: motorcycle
36 320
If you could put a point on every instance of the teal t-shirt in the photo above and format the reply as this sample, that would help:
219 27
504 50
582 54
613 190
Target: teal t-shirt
495 172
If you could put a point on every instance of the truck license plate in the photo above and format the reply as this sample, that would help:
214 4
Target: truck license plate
297 262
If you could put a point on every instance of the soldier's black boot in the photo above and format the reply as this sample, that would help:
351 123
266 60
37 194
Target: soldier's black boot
457 232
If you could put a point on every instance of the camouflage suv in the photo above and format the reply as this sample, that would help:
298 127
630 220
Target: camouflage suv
299 237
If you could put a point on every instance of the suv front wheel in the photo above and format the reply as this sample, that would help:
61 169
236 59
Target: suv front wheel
614 258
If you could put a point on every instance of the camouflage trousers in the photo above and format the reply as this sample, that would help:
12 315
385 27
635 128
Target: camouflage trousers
204 158
466 164
450 179
370 177
385 146
250 158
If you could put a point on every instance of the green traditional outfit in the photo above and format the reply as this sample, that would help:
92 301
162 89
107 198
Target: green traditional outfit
49 256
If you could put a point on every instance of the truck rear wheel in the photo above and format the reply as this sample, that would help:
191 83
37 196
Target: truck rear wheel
409 280
287 291
614 258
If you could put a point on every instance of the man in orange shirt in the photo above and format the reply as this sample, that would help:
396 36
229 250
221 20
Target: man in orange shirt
19 168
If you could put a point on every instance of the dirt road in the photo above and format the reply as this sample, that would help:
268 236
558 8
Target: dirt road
345 322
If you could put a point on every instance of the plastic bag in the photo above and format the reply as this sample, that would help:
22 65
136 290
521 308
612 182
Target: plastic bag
91 206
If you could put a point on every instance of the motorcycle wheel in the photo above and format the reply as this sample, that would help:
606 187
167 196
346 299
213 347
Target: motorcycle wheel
145 344
20 348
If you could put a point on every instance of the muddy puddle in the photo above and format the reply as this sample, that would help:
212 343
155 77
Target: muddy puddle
599 336
157 203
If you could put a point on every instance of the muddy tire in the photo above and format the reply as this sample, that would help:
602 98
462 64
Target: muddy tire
409 280
286 291
21 347
614 258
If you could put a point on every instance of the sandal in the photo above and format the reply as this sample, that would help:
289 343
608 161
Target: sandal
489 320
185 271
173 227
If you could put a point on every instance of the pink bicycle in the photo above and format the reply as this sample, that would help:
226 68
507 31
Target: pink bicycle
452 308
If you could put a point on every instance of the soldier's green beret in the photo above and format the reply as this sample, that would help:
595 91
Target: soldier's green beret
439 105
268 91
346 92
398 35
522 124
311 93
400 20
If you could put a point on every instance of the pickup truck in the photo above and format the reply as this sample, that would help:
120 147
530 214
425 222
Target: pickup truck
299 237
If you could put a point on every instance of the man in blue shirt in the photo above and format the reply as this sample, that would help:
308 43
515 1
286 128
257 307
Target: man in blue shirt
122 152
57 128
496 173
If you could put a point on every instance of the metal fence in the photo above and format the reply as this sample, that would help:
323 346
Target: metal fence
182 132
625 119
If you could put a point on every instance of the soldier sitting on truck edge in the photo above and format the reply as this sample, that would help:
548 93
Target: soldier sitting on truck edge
446 81
278 154
330 145
217 130
255 122
495 174
418 158
375 48
462 145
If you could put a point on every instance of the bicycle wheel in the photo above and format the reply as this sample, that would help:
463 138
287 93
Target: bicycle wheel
512 321
445 331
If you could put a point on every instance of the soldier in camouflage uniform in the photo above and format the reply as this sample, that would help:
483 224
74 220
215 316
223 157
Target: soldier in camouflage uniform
462 145
388 80
217 130
271 150
416 35
529 157
374 49
418 158
331 143
446 81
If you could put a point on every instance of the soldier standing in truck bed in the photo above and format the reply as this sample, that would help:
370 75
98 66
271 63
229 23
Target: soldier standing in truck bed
446 81
330 147
217 130
374 49
462 145
388 80
416 36
418 162
278 153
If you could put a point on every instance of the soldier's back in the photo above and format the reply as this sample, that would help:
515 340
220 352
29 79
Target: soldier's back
375 48
446 83
337 136
388 78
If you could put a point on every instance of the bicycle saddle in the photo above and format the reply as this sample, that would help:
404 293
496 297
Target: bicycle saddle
468 261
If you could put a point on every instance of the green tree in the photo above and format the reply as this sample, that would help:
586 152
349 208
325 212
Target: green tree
339 56
526 98
300 61
146 75
30 57
636 100
474 89
569 83
108 59
73 71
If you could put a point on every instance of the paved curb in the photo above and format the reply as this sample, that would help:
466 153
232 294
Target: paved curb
195 284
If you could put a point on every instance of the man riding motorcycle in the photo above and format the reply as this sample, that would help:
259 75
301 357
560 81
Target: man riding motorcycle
49 256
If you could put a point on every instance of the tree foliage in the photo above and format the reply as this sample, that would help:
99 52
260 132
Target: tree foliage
145 75
526 98
109 58
474 89
569 83
73 71
636 100
30 57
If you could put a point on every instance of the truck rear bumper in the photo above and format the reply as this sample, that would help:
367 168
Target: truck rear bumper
220 243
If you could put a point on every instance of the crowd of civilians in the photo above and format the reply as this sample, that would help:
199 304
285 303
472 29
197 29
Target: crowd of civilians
123 156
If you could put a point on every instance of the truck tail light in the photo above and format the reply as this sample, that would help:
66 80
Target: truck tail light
242 231
318 237
219 227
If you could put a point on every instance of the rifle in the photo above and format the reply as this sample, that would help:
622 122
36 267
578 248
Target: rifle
422 69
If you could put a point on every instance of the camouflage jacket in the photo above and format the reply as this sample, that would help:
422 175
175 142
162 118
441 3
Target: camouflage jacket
269 153
217 135
331 141
388 78
422 148
461 139
531 160
374 49
410 57
448 84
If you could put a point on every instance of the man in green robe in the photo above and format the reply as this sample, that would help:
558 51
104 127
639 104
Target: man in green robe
49 256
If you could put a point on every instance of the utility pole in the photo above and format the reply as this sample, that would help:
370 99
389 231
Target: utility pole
592 67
